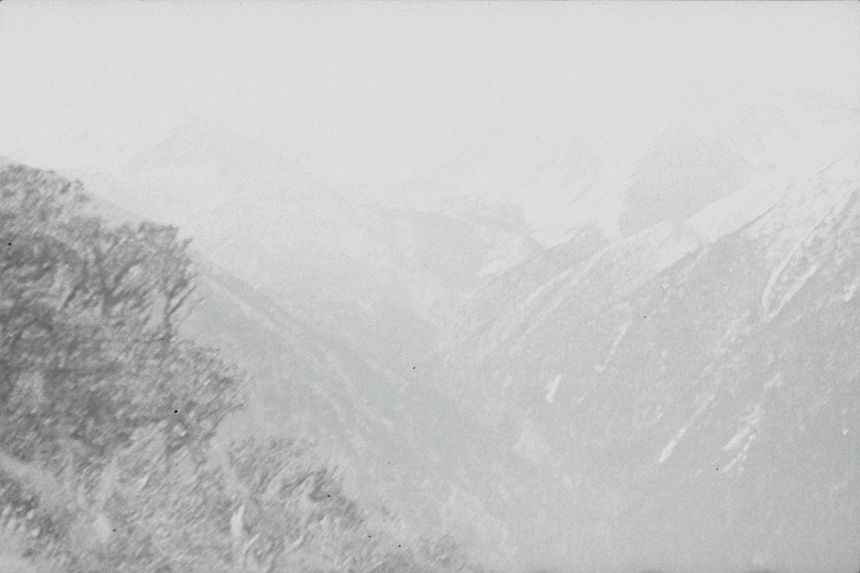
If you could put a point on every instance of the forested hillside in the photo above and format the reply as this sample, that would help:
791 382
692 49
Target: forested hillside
113 454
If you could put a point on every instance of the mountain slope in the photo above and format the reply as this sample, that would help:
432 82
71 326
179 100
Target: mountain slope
395 439
686 397
383 278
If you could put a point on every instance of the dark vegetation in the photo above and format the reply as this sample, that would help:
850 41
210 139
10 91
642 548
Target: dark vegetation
111 457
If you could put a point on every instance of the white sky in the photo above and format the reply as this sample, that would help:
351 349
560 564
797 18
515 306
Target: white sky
362 92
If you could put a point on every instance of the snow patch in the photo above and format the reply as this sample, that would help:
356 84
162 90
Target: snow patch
781 285
622 331
704 401
670 447
737 438
849 291
736 465
746 436
551 388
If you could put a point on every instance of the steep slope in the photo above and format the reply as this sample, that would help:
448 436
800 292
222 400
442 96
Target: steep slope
382 278
101 350
689 403
609 401
667 164
395 439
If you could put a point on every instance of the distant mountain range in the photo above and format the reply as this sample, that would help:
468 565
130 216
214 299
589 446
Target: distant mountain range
670 383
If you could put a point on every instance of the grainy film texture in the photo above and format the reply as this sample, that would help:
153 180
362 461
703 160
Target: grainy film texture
429 287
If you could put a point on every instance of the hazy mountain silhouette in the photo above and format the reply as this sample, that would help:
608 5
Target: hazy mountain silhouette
673 398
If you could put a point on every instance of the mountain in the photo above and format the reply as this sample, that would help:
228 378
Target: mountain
397 439
363 416
651 364
687 401
381 276
115 340
645 164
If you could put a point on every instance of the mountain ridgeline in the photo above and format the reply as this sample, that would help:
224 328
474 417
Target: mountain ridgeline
668 392
316 384
116 452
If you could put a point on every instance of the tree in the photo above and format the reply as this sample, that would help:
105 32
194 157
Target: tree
88 317
110 458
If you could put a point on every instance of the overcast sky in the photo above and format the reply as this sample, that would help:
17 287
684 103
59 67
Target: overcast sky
363 92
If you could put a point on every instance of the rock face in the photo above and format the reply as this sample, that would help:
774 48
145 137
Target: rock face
681 402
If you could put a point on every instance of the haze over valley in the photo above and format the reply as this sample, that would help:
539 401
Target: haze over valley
556 287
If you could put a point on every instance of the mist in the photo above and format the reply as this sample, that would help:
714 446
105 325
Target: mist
560 286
